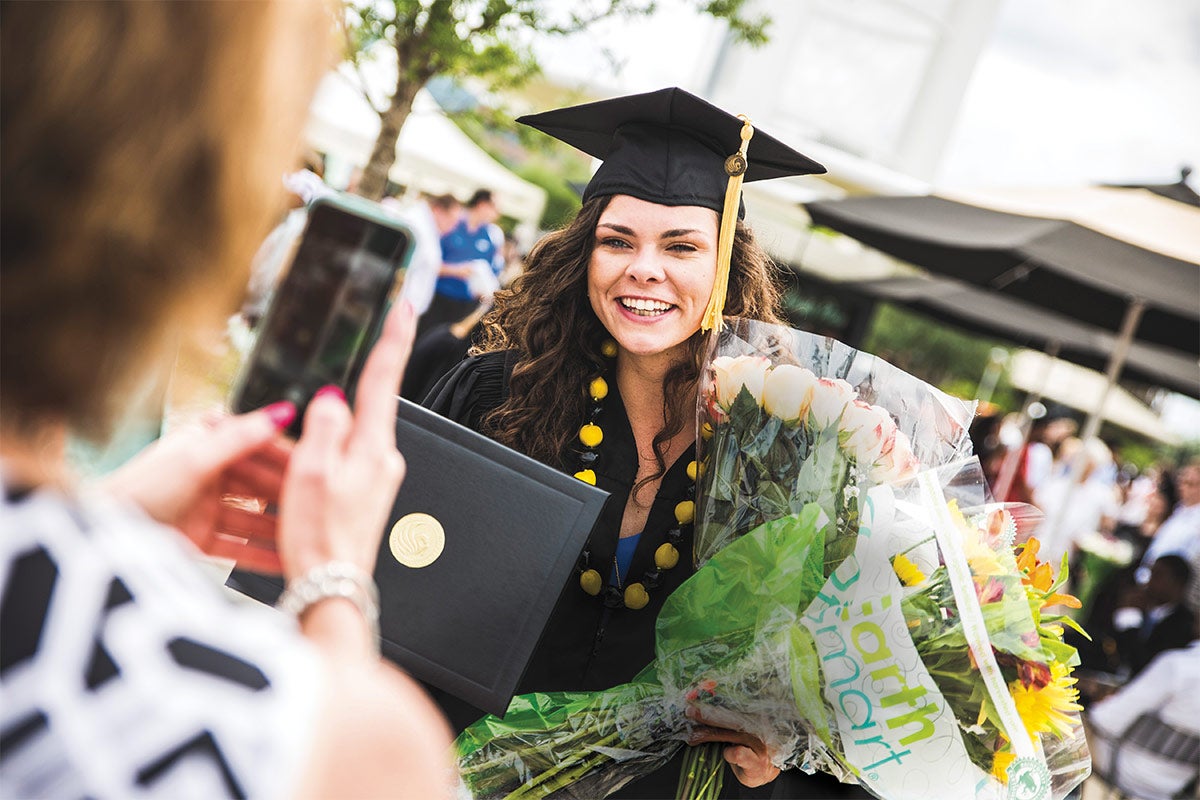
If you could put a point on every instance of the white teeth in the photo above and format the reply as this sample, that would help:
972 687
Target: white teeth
649 307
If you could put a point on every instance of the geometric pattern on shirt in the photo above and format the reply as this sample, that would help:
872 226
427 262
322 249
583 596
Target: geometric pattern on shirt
126 672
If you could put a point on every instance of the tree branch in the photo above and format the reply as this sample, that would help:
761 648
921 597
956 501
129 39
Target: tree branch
361 86
353 53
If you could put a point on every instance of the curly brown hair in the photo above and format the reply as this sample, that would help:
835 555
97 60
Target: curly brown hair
547 319
143 144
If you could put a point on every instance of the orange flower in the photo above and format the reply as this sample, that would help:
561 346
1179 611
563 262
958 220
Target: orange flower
1041 578
1039 575
1068 600
1027 558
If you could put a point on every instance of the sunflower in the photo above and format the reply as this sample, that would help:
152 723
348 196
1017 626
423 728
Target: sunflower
1000 764
908 572
1045 709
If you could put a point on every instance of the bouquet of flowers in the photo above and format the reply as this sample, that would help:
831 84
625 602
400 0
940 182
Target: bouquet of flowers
857 605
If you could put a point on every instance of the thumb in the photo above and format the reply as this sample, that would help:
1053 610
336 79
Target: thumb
231 439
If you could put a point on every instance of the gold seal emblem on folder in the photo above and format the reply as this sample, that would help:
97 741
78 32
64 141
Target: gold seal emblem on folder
417 540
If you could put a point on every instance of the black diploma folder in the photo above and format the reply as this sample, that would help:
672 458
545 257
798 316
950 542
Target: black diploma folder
501 534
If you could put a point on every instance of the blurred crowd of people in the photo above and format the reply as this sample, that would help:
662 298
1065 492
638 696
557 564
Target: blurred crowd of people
461 257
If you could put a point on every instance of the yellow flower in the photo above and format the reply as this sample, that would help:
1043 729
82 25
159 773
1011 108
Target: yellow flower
1045 709
908 572
981 558
1000 765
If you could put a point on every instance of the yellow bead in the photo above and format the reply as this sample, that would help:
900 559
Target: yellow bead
609 348
706 431
598 389
587 476
636 596
685 512
693 470
666 556
591 583
591 435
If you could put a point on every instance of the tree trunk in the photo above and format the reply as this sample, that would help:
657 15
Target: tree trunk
375 175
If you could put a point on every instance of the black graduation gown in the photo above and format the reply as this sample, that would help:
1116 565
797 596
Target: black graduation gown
585 646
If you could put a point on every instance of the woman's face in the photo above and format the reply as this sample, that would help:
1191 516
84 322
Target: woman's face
1156 507
651 273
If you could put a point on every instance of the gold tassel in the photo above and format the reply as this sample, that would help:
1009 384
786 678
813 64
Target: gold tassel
735 165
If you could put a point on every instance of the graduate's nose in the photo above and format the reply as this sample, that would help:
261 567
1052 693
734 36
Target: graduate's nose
646 266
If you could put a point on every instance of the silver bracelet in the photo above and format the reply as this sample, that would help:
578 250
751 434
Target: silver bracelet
334 579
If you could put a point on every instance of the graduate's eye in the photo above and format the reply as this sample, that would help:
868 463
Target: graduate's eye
613 242
682 247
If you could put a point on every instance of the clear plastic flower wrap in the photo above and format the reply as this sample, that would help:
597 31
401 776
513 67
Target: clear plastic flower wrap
857 605
780 398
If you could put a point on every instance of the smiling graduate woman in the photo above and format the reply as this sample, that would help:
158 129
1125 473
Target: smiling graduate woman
590 363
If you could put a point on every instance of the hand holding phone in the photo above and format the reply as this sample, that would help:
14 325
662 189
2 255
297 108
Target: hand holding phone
329 306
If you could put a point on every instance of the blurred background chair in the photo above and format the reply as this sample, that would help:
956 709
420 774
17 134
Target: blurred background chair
1149 749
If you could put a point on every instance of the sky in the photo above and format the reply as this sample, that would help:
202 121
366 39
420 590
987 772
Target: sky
1082 91
1065 91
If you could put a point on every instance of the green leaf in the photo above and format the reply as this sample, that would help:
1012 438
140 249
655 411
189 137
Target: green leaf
805 668
745 415
777 565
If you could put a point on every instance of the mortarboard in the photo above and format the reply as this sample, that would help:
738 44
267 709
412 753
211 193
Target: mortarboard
673 148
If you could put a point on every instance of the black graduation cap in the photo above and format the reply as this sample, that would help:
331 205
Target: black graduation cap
668 147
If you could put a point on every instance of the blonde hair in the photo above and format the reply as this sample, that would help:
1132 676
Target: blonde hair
143 144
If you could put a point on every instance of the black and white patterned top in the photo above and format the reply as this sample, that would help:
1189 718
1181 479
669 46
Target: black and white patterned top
124 670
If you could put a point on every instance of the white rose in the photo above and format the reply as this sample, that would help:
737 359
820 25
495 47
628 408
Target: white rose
732 373
897 464
830 398
787 392
871 431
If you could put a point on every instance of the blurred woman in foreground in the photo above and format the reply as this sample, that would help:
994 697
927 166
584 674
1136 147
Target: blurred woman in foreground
142 148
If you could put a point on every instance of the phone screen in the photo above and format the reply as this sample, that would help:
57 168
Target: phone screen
326 310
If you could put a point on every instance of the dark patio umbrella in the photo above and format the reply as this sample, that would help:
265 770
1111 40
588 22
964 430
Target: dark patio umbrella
1180 191
989 314
1055 264
1131 286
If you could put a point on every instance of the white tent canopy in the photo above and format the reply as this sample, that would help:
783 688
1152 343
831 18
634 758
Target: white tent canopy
432 153
1083 389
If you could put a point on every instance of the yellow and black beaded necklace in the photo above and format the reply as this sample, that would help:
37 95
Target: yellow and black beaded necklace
632 594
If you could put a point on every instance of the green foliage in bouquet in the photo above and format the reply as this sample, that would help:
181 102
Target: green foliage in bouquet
719 641
752 459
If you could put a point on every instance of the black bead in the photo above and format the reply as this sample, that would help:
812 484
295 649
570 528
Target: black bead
691 492
585 560
612 597
675 536
588 458
595 413
651 579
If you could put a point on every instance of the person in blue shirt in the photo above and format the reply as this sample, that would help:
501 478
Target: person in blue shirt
472 260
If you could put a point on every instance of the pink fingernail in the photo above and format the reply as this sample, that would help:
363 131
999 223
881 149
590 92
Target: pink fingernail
281 413
336 391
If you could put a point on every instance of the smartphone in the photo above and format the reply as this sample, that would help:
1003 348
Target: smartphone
327 310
